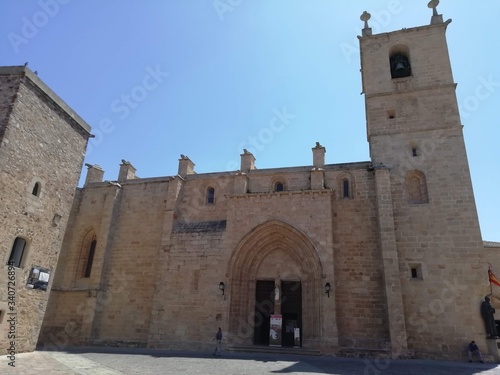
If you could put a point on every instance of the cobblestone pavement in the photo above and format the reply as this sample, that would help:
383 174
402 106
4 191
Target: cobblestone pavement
106 361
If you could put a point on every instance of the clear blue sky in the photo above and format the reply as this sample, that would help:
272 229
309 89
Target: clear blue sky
204 78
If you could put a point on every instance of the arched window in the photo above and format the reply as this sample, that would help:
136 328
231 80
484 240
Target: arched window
36 189
87 255
210 195
399 61
90 258
279 186
414 190
346 188
400 66
416 186
17 252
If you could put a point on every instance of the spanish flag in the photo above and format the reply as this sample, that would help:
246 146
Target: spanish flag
493 278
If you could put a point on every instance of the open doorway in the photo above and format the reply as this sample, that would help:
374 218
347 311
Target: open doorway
291 309
264 307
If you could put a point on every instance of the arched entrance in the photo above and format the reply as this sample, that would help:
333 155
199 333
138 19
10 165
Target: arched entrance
274 254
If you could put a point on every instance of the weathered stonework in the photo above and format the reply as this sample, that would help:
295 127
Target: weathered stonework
395 238
41 142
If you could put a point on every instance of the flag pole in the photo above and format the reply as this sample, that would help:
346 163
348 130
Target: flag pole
489 279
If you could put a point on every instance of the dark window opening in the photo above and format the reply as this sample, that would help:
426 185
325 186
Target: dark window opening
279 187
17 252
210 195
36 190
414 151
90 259
345 189
400 66
391 114
414 273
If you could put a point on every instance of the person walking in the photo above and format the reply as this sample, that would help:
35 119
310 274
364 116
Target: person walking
218 348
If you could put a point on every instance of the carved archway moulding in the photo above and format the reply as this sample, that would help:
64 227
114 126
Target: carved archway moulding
267 237
244 264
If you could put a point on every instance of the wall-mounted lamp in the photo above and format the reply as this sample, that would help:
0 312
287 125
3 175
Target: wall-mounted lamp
222 286
327 289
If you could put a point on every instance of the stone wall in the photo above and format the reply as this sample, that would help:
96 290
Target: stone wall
41 144
397 238
415 131
170 249
116 305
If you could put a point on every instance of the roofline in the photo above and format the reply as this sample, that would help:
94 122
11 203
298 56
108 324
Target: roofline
491 244
358 165
25 72
408 30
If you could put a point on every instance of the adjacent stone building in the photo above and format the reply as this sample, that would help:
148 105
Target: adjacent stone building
42 147
379 257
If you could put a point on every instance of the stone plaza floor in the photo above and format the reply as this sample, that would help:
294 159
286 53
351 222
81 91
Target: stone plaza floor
110 361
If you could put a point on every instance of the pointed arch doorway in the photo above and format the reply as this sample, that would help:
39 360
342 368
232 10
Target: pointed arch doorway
274 258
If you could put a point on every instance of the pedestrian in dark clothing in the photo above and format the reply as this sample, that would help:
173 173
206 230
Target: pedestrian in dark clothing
218 338
473 349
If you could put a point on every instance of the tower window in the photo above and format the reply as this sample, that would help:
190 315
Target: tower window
416 186
17 252
400 66
416 272
210 195
279 186
36 189
414 151
415 191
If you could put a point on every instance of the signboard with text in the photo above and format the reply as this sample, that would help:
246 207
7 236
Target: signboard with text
275 330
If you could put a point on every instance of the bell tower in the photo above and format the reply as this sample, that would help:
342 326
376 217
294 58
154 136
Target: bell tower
409 90
427 216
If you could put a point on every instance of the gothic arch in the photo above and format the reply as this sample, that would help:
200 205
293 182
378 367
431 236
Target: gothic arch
416 187
346 185
86 254
250 253
275 181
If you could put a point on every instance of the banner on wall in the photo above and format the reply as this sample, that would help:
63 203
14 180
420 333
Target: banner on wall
275 330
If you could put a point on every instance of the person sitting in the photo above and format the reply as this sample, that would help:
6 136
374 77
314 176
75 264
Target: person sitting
473 349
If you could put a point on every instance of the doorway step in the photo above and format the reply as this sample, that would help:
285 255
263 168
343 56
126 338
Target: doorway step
272 350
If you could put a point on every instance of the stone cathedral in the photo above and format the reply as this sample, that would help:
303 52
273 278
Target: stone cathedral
383 257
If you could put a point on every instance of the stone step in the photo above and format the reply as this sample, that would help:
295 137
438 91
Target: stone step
273 350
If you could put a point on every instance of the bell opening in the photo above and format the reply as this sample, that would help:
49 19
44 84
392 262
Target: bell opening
400 66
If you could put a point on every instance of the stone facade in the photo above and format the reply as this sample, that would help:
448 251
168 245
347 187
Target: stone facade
42 146
380 257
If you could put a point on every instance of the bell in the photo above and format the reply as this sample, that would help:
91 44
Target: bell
400 70
399 67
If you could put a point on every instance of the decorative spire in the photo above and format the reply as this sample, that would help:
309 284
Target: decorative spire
367 31
433 4
436 17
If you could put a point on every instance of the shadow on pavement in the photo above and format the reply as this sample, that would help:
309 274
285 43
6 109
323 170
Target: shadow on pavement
311 364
